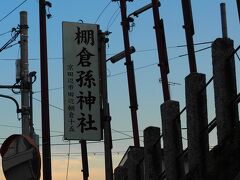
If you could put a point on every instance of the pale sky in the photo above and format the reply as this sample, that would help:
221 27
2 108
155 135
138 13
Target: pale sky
206 16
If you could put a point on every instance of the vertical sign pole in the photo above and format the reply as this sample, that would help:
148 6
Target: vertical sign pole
46 148
84 159
106 114
130 74
25 93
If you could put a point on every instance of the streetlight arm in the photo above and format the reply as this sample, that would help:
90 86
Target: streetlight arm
14 100
143 9
10 86
120 55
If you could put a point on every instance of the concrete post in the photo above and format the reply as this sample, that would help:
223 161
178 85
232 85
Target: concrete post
135 163
225 88
172 140
120 173
197 121
152 154
25 91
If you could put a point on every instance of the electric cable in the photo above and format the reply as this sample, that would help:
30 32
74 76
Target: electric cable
62 110
238 57
102 12
137 51
5 33
13 38
149 65
18 127
12 11
113 18
56 107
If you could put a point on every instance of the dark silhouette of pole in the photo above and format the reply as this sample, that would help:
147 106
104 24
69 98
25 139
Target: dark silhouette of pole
106 112
238 8
162 50
84 159
25 91
130 73
224 20
46 148
189 32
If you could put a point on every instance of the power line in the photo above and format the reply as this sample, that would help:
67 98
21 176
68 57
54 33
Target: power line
51 89
17 127
12 11
137 51
5 33
113 18
31 59
138 68
238 57
149 65
122 133
13 38
182 55
89 153
89 142
195 44
169 47
102 12
62 110
56 107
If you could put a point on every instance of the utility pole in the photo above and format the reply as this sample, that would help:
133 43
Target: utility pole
162 50
189 32
130 73
25 91
238 8
224 20
46 144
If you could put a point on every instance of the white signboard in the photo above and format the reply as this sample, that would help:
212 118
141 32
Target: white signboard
81 82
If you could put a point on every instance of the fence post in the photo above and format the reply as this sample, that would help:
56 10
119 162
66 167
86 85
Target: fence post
197 121
225 88
120 173
172 140
152 153
135 163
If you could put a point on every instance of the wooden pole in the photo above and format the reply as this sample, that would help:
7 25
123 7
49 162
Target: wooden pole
106 113
224 20
85 170
130 74
46 144
162 50
189 31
